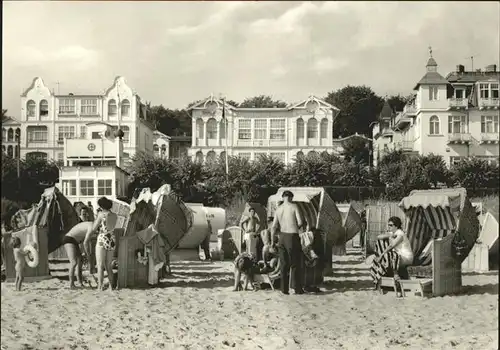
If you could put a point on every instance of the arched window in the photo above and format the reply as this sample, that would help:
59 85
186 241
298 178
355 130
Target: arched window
125 108
434 125
10 135
4 134
31 109
300 155
156 149
211 156
112 107
163 150
300 128
44 108
199 129
312 129
17 135
222 129
212 129
199 157
323 128
10 151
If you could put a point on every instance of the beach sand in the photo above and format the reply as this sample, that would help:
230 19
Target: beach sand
196 309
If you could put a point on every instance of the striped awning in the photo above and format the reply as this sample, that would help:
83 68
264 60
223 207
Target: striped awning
452 198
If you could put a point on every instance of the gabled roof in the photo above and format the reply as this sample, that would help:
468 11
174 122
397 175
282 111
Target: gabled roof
160 134
472 77
25 92
386 112
115 83
321 103
203 103
9 120
431 78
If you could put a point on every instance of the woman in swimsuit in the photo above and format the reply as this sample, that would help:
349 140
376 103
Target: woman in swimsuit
106 241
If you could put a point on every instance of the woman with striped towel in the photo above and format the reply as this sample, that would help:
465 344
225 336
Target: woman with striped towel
393 256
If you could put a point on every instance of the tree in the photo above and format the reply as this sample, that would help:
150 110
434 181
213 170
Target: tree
172 122
359 107
149 171
357 149
4 113
475 173
435 169
262 101
397 102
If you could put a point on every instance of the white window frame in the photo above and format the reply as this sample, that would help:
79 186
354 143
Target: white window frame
260 129
489 124
433 93
279 155
494 87
83 131
462 90
434 125
212 129
112 107
323 128
89 190
245 129
31 109
300 124
69 187
200 129
103 185
66 132
67 106
462 119
277 129
125 108
312 132
44 108
88 106
484 91
126 133
245 155
40 135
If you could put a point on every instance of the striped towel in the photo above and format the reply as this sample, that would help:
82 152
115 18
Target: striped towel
390 261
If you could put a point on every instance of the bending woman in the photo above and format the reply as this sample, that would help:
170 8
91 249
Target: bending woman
106 242
397 256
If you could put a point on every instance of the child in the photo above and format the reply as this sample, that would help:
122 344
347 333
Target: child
20 262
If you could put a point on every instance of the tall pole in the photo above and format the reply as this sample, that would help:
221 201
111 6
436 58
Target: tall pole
227 136
18 158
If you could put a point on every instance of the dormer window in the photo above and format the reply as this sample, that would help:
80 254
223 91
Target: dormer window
433 93
30 109
484 90
494 90
459 93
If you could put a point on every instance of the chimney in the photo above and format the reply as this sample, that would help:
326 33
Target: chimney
460 68
492 68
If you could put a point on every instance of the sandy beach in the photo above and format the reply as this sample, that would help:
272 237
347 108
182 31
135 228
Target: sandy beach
196 309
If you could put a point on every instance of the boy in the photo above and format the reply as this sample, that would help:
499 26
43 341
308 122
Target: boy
20 262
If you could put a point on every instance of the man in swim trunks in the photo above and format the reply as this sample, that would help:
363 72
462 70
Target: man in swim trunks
80 233
288 220
251 226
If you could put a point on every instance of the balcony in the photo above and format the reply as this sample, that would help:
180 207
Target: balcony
489 138
489 103
410 110
402 121
90 149
459 138
42 144
455 103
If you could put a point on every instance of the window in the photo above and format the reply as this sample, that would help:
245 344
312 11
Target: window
278 155
245 155
484 90
277 130
86 187
17 135
125 108
83 131
4 134
10 151
433 93
199 157
10 135
104 187
126 133
489 124
459 93
89 106
244 130
212 129
457 124
67 106
323 128
299 155
30 109
300 128
199 129
66 132
37 133
455 160
156 149
434 125
60 158
211 156
258 155
112 107
44 108
36 155
312 129
260 130
494 90
96 135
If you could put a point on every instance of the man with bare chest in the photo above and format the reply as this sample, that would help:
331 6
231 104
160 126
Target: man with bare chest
79 233
251 229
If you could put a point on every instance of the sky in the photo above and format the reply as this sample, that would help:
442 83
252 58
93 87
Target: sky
173 53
